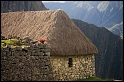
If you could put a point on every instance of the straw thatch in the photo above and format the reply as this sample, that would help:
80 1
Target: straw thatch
61 34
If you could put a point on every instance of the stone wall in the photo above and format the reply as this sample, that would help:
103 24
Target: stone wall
32 64
83 67
36 64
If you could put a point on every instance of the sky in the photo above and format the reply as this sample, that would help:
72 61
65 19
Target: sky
53 1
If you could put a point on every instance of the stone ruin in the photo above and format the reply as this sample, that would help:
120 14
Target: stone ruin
26 64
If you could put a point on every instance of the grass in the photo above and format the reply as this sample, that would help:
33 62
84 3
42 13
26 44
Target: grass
13 42
93 79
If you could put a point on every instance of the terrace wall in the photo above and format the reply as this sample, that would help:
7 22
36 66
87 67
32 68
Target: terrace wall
22 64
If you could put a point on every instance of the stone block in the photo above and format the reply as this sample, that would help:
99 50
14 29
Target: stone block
6 49
37 50
34 46
47 53
18 48
33 78
40 45
34 54
59 64
8 53
34 42
45 46
44 50
8 46
13 49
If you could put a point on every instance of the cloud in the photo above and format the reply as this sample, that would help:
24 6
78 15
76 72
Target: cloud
54 1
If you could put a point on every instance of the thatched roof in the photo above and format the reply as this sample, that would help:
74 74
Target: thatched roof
61 34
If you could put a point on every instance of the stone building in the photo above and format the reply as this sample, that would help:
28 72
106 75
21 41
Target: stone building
71 52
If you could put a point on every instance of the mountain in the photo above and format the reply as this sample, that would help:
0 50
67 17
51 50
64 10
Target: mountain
109 60
117 29
100 13
13 6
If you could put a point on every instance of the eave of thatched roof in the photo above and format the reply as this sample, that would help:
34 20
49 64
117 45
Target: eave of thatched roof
61 34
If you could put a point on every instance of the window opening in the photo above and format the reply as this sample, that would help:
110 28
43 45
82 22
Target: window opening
70 64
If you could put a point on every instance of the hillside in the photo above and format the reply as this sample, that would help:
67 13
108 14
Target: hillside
109 61
14 6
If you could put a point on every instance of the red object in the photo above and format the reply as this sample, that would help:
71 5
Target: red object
42 40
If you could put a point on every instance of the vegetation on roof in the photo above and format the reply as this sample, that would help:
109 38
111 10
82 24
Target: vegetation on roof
13 43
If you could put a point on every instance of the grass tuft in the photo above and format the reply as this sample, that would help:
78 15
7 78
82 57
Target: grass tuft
13 42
